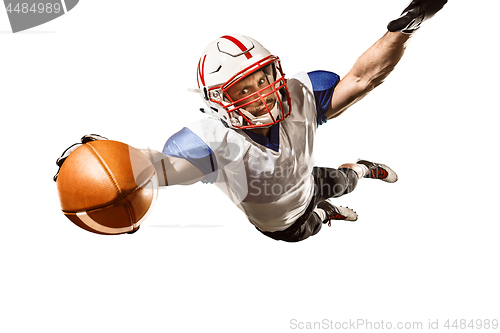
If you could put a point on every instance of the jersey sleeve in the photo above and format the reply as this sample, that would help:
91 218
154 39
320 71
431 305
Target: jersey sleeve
189 146
324 84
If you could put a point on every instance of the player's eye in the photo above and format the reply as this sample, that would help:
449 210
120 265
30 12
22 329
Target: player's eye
244 92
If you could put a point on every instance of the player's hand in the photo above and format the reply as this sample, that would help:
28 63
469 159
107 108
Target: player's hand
86 138
417 12
91 137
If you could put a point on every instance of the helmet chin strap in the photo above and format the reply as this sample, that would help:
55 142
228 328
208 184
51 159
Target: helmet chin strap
265 118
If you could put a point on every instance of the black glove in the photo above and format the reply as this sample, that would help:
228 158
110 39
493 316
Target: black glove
86 138
417 12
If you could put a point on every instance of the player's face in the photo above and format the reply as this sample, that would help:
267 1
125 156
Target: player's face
246 87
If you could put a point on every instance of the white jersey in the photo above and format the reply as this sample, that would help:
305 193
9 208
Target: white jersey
270 180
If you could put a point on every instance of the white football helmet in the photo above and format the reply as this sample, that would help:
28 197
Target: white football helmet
226 65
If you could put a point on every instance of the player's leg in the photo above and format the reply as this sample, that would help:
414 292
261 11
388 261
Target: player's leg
332 183
367 169
311 222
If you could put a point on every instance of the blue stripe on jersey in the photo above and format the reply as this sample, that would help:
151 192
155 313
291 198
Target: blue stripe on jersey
324 84
189 146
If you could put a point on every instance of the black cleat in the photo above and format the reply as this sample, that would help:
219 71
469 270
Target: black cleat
379 171
337 213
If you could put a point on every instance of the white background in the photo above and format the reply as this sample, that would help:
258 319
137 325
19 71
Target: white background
424 248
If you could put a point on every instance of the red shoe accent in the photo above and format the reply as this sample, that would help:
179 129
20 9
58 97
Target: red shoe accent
379 173
337 216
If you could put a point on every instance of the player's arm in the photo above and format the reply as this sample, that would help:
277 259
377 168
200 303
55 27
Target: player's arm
378 61
170 170
173 170
185 159
369 71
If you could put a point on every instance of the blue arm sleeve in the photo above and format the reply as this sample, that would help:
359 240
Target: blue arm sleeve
189 146
324 84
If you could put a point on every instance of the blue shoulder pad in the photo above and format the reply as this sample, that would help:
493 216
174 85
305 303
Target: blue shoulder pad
324 84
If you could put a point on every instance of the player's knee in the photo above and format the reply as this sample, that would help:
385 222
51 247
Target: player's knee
351 180
336 183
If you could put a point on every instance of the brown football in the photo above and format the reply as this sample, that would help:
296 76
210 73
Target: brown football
107 187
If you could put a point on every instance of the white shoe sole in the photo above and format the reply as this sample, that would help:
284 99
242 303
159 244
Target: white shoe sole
348 213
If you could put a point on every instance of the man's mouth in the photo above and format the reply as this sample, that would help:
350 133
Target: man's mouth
261 112
265 110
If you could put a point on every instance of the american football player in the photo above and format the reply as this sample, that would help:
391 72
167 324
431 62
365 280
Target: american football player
257 145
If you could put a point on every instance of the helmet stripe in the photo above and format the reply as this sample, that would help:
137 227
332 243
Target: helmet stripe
201 69
242 47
